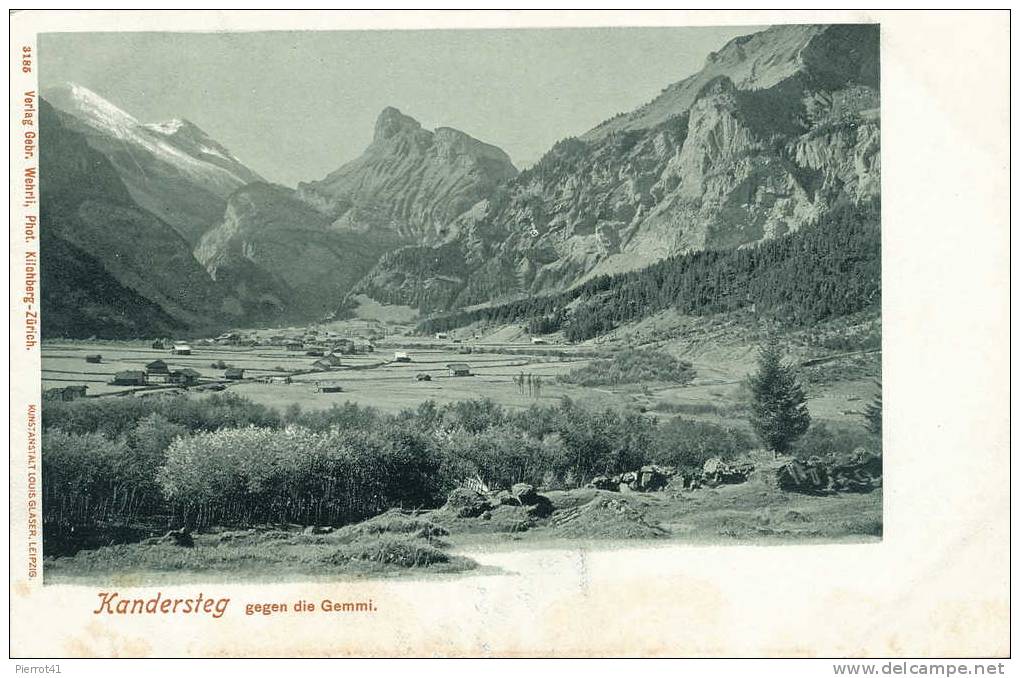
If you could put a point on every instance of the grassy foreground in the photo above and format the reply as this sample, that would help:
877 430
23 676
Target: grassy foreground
397 544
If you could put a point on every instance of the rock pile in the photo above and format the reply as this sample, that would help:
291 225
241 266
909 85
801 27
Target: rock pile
464 502
649 478
858 471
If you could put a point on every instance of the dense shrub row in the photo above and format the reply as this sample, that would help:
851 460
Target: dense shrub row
225 460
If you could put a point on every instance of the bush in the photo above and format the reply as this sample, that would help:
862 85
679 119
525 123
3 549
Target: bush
503 455
688 444
632 366
87 478
822 440
256 475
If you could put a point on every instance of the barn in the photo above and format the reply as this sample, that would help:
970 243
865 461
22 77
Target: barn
182 349
185 377
401 357
459 369
328 387
129 378
157 367
233 373
94 358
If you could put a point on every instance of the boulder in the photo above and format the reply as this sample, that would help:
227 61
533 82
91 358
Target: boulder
809 477
524 493
651 478
605 483
465 503
718 472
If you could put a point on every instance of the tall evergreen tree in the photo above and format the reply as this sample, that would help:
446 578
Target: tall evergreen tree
779 413
873 413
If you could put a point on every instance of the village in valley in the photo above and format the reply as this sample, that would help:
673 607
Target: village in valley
364 360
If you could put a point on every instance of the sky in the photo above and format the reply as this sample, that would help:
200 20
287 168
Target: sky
294 106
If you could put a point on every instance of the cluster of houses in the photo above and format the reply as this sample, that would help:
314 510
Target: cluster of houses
156 372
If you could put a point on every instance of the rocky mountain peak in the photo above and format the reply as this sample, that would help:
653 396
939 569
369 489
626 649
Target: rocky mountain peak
392 122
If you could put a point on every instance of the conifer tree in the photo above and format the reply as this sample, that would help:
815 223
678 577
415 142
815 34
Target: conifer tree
873 413
779 413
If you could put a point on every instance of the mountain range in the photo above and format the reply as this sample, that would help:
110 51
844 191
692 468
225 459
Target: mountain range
778 129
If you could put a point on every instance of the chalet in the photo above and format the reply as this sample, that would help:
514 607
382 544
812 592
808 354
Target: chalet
185 377
322 364
129 378
65 393
181 349
233 373
157 367
94 358
328 387
459 369
401 357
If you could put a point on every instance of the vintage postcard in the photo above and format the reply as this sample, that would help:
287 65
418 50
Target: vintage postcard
474 334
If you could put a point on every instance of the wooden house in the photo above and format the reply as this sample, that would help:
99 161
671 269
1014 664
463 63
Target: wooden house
233 373
328 387
459 369
157 367
129 378
401 357
182 349
96 358
185 377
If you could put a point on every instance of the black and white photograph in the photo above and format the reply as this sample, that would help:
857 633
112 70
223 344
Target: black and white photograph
465 308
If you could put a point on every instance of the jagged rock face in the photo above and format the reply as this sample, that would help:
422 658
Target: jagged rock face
776 129
172 169
410 180
278 258
110 268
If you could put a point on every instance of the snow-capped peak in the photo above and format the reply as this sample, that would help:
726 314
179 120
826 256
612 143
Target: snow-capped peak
84 103
177 142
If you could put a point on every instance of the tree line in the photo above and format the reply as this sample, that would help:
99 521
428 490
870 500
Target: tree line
827 270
